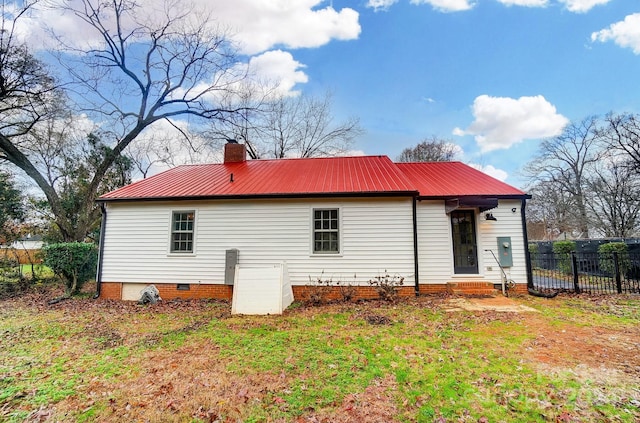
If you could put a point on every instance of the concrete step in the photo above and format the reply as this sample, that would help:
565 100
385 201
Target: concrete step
472 288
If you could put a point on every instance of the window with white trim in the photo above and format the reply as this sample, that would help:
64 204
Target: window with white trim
182 231
326 231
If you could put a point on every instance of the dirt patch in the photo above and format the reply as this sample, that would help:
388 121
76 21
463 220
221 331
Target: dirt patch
499 304
597 347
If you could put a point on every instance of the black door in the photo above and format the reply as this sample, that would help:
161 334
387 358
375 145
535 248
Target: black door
463 228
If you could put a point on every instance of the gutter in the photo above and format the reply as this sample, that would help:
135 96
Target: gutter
415 246
525 237
103 227
362 194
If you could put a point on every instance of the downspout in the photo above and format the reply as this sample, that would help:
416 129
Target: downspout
415 245
103 226
526 243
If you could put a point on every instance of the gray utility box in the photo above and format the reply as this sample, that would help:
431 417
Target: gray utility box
232 257
504 251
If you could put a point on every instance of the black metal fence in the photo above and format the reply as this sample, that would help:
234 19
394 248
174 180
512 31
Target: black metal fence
588 272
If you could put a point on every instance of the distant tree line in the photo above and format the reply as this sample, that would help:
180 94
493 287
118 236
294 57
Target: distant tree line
586 181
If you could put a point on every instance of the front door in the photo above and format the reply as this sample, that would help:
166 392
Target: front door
463 229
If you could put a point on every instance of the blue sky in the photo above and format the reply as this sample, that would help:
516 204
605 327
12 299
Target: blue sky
415 71
493 76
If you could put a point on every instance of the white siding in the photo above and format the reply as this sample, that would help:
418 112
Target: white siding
509 224
376 235
434 243
435 249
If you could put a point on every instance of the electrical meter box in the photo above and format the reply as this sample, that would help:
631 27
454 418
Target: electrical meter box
231 259
504 251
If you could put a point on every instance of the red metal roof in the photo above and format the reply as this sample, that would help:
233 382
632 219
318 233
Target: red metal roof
298 177
365 175
449 179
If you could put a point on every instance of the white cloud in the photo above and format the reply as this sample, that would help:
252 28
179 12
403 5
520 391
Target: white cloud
625 33
501 122
381 4
262 25
525 3
441 5
271 74
447 5
499 174
576 6
582 6
255 25
278 67
353 153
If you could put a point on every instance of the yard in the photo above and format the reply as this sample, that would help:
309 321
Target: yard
577 359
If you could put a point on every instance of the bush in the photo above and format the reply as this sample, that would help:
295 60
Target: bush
605 254
564 249
533 248
387 286
75 262
319 289
347 289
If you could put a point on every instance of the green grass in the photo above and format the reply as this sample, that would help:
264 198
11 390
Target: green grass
40 270
194 362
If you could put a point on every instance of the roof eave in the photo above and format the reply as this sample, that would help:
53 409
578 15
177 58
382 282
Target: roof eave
367 194
498 196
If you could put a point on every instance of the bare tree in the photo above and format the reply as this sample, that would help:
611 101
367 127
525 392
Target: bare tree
565 160
430 150
244 126
26 89
622 133
613 199
300 126
550 212
304 127
139 74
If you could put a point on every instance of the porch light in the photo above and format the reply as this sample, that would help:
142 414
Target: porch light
489 216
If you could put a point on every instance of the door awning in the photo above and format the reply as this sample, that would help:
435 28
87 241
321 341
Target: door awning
482 203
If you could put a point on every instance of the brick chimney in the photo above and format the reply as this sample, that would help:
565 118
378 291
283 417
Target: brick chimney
234 152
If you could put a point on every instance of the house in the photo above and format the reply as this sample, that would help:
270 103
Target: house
346 218
28 242
25 249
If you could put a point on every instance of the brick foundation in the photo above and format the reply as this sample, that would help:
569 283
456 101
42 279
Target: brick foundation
219 292
304 292
113 291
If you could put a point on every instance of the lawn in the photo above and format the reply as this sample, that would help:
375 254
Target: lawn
86 360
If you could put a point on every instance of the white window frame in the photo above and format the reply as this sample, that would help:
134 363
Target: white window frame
338 230
192 231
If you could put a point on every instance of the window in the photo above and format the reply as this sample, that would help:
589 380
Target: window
182 232
325 231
